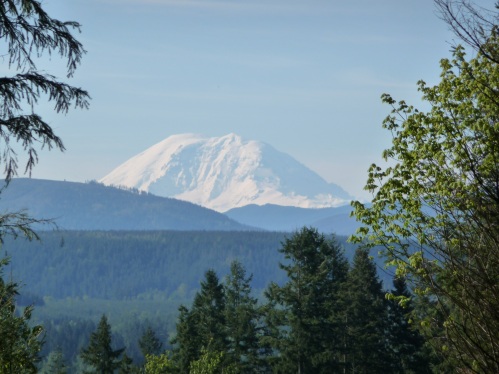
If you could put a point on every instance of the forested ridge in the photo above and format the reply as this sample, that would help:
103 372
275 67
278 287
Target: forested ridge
124 264
93 206
249 280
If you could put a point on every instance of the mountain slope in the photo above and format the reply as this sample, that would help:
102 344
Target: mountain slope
285 218
224 173
92 206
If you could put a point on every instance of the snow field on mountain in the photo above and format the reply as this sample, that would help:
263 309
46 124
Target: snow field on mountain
225 172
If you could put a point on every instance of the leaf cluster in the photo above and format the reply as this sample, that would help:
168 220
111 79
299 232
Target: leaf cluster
435 209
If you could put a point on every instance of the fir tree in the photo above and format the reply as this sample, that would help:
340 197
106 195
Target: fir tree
187 343
202 327
126 366
242 317
149 344
20 343
406 343
366 318
99 353
55 363
27 33
208 308
301 320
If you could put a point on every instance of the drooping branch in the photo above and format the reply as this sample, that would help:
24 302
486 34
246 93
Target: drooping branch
29 32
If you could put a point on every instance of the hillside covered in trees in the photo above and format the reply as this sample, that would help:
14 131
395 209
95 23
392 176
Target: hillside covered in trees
93 206
320 313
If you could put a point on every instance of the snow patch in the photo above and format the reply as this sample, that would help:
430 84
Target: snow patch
225 172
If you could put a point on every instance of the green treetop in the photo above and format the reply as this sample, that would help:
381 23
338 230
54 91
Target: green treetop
242 317
202 327
366 318
149 343
20 343
99 353
55 363
300 315
435 208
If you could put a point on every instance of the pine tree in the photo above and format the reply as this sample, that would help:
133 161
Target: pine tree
242 317
208 308
186 342
27 33
20 343
366 318
126 366
99 353
55 363
149 344
300 314
406 343
202 327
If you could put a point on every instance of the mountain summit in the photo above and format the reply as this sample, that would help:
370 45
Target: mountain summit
224 173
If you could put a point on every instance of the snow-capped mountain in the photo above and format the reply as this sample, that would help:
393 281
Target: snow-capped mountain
225 172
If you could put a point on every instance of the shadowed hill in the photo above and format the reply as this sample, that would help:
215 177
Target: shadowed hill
92 206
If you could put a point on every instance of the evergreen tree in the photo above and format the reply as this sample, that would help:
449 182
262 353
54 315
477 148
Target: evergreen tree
99 353
406 343
20 343
27 33
301 320
202 327
242 317
366 318
126 366
208 309
55 363
149 344
186 341
427 309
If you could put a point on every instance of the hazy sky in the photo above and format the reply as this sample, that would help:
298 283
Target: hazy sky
304 76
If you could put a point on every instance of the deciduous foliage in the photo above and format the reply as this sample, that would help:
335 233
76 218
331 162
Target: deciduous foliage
301 319
436 207
212 362
99 354
160 364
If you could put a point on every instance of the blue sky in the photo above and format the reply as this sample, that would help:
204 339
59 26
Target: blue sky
303 76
